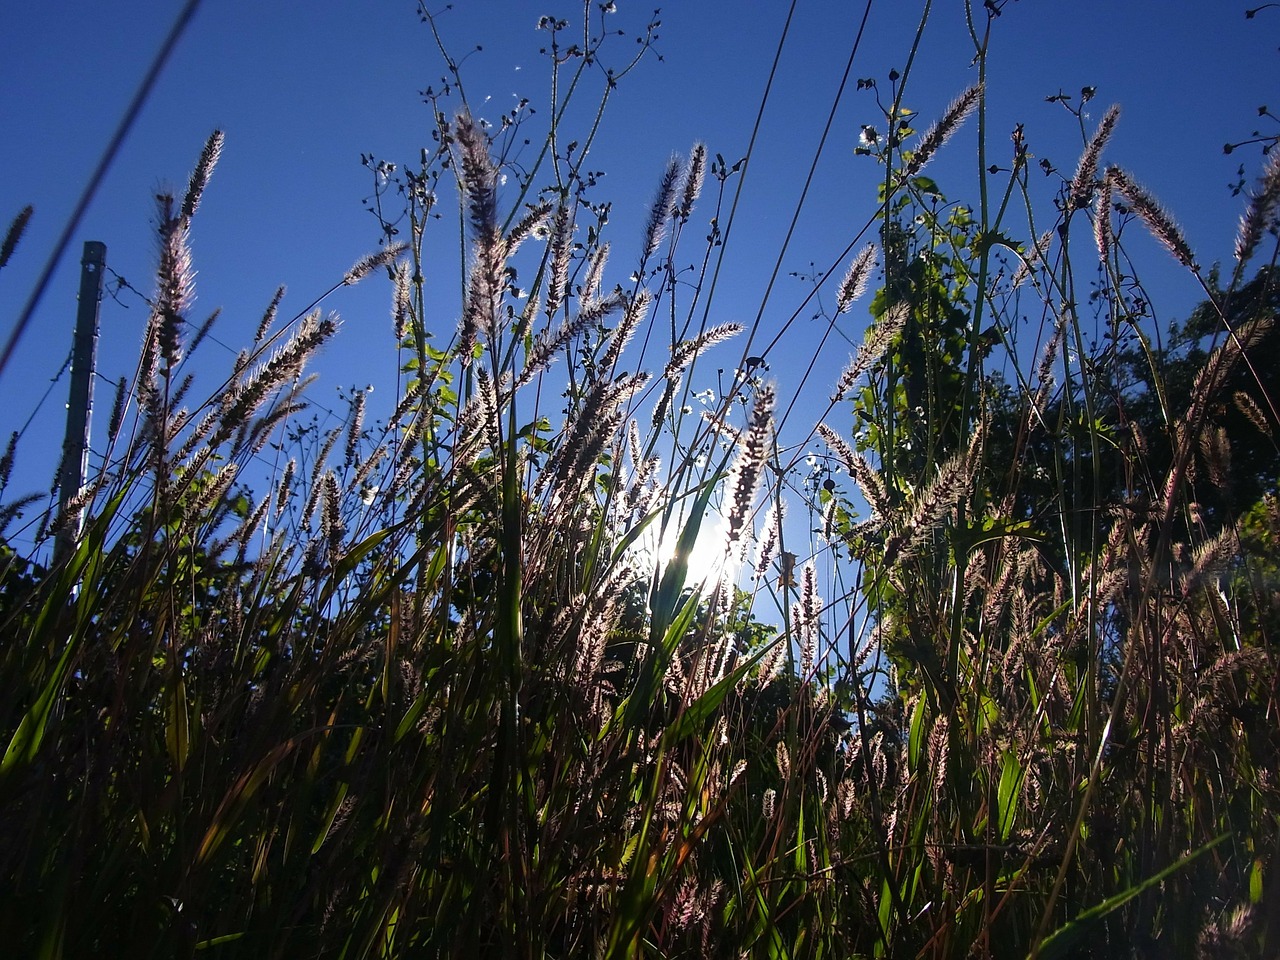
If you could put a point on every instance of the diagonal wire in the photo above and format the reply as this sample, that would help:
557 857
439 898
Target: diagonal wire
53 382
91 188
808 182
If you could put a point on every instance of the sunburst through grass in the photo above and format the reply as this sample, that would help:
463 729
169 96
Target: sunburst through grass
486 675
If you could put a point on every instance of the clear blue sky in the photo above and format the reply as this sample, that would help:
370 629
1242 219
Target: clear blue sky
303 88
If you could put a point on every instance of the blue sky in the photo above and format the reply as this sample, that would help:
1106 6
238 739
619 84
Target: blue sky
302 89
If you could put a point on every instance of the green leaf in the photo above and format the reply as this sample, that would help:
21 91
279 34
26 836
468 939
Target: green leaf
177 730
992 238
330 816
1061 940
696 715
1012 774
915 742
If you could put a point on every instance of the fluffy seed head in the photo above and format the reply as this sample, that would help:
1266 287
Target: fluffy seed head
371 262
694 174
401 302
877 340
479 176
1157 220
806 617
1263 206
636 311
175 280
838 446
286 486
854 284
355 427
14 233
937 135
1035 256
1102 220
558 268
748 469
770 537
201 174
1082 184
117 409
663 201
268 316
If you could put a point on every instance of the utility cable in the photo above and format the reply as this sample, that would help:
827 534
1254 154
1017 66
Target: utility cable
99 173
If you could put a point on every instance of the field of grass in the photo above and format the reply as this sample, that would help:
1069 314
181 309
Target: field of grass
432 690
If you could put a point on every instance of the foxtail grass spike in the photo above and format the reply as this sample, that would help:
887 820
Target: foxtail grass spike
632 317
175 282
401 303
855 281
201 174
660 211
371 262
1034 258
1264 205
1156 219
355 428
877 341
6 460
770 537
595 271
1102 220
16 229
1084 182
268 316
748 469
558 267
694 174
936 137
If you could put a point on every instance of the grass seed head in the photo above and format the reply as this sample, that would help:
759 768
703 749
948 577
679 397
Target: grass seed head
1156 219
1084 182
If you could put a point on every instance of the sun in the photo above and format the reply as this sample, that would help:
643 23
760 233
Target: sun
710 562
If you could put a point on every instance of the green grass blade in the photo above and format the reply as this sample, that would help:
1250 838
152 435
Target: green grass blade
1061 940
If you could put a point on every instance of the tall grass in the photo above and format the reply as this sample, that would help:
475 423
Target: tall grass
444 686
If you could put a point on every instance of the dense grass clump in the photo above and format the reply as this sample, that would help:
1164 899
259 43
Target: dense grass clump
445 686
